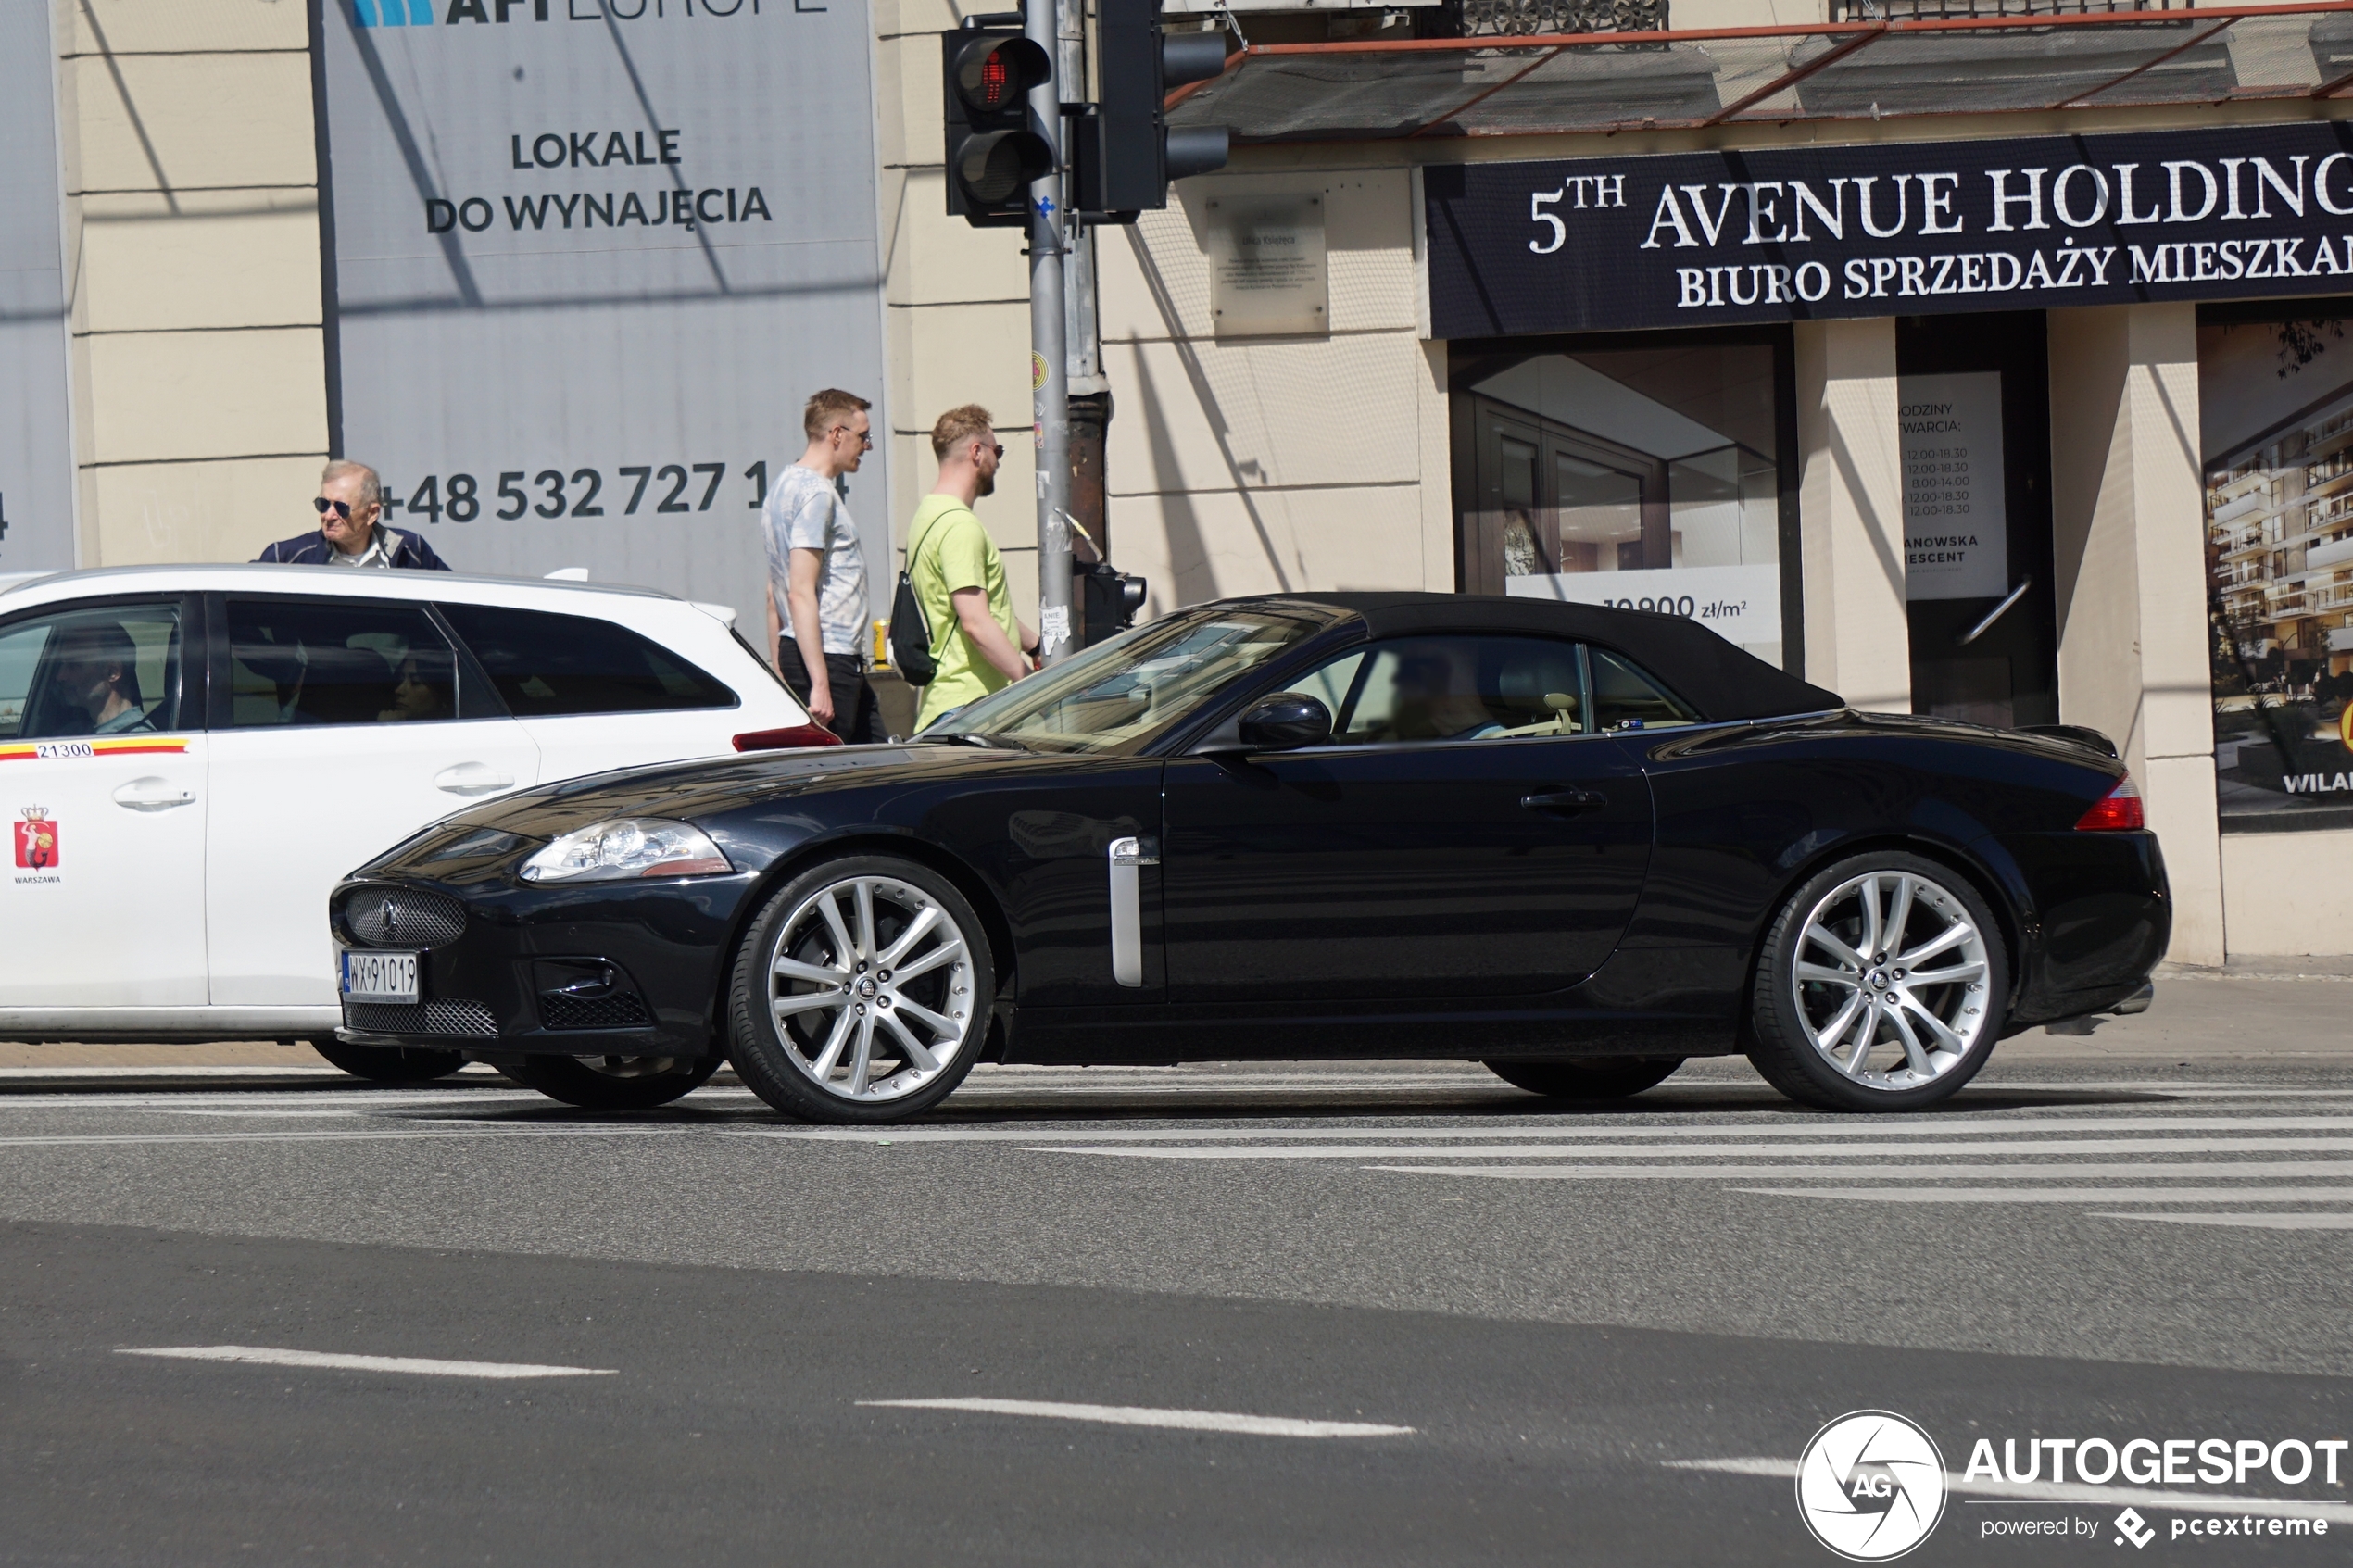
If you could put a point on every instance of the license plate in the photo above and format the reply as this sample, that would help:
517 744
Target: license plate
380 977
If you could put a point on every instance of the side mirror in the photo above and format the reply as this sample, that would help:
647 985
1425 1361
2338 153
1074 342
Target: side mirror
1284 721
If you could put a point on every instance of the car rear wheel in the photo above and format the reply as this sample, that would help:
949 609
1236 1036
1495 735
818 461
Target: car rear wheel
1880 986
613 1082
863 992
389 1065
1599 1078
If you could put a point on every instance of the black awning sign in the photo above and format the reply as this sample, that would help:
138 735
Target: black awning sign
1699 239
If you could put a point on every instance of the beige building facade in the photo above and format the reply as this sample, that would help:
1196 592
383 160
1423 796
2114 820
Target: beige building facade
1334 457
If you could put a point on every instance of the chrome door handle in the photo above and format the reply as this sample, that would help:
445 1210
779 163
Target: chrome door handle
1565 800
153 794
471 778
1127 910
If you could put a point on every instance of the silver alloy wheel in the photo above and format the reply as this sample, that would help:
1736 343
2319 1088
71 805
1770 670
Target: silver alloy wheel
1891 974
870 986
629 1066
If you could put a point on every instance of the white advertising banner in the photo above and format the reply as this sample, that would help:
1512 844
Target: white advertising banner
1740 604
1955 526
36 444
590 257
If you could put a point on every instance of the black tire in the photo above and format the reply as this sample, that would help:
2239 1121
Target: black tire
390 1064
1592 1078
773 1055
1787 1015
613 1082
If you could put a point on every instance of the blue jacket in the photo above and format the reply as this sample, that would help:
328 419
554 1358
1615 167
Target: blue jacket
409 550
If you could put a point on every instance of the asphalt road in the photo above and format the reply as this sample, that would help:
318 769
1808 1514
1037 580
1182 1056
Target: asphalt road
1608 1331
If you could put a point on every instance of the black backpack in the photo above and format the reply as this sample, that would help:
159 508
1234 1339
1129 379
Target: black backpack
910 640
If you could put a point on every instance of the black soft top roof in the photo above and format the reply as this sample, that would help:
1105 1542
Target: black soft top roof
1700 667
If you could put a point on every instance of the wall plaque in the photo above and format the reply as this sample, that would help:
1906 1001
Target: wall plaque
1267 272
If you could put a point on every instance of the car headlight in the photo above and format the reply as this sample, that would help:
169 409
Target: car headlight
627 848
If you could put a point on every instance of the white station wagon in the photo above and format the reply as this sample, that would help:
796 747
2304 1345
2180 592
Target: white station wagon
192 756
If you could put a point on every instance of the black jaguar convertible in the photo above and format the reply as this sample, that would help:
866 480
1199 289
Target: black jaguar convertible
1577 845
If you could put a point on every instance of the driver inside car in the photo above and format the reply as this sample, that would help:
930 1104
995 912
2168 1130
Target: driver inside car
97 672
1436 699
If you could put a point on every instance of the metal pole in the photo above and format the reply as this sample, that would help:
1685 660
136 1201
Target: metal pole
1049 376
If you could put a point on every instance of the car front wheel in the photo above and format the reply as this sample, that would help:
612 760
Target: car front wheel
1880 986
389 1065
613 1082
863 992
1599 1078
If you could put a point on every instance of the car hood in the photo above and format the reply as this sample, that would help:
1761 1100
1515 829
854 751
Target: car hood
700 791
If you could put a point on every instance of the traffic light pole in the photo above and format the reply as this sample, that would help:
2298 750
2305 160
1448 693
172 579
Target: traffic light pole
1049 371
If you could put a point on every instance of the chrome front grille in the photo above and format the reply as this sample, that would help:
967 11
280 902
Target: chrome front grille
401 917
439 1016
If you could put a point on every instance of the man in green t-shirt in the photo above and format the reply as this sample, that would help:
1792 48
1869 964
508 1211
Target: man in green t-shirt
958 575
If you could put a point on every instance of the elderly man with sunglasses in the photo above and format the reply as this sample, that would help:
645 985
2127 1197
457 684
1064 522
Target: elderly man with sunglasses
349 503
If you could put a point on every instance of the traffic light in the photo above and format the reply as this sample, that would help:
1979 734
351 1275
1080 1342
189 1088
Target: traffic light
1126 152
992 153
1107 601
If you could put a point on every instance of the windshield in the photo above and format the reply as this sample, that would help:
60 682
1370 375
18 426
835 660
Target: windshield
1119 692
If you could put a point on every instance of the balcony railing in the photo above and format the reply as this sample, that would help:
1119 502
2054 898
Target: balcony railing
1524 18
1943 10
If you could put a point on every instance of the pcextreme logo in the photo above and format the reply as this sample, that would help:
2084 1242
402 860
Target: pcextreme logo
1871 1486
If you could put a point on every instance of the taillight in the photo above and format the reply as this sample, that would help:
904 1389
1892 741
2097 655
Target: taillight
782 740
2116 811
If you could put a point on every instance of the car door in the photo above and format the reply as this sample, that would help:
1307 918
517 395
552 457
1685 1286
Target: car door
102 786
594 693
340 726
1466 834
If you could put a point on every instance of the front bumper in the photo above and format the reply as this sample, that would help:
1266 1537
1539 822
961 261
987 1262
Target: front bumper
599 969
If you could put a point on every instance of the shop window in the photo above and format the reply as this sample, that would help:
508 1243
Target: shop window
2275 399
1650 477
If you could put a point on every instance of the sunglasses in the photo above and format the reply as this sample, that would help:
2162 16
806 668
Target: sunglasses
341 508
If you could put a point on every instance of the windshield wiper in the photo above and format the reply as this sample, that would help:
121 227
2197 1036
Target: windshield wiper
972 737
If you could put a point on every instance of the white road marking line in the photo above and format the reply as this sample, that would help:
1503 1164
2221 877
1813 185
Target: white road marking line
2252 1221
1693 1150
365 1099
313 1113
2088 1171
1944 1126
2062 1195
422 1366
2051 1491
1137 1415
291 1070
567 1129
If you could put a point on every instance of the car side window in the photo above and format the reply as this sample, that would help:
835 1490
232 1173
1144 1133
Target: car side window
1451 688
548 665
345 661
103 671
1626 698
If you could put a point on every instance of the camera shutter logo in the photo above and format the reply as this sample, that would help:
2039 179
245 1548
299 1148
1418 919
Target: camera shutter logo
36 840
1871 1486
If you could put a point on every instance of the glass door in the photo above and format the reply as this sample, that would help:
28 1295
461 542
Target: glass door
1973 405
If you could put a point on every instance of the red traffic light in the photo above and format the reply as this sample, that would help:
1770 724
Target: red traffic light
993 74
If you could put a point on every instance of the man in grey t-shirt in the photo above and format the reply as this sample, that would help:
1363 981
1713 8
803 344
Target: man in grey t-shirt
817 575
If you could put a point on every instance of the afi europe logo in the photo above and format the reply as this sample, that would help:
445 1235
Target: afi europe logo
36 838
1871 1486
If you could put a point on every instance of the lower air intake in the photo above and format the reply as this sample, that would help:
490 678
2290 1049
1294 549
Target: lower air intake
470 1021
